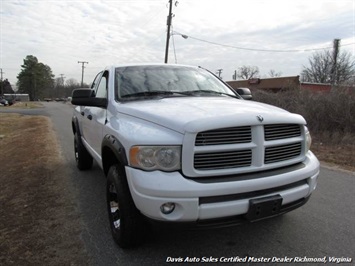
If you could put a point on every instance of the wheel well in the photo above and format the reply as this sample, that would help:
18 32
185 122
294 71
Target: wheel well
108 159
73 127
112 153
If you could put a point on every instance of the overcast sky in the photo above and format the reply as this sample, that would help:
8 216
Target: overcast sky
61 32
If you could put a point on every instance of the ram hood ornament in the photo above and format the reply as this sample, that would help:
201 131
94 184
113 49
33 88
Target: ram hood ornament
260 118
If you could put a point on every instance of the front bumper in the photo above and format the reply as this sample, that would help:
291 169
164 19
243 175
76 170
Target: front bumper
198 200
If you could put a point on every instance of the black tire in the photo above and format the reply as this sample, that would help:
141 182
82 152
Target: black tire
126 221
82 156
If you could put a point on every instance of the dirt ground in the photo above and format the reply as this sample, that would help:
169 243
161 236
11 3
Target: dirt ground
39 223
337 155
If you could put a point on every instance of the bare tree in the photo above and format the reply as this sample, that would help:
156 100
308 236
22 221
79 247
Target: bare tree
273 74
73 83
247 72
320 68
345 68
58 82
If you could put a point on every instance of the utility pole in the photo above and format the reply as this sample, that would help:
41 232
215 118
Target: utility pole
82 71
61 84
168 32
219 72
1 87
234 77
62 79
336 44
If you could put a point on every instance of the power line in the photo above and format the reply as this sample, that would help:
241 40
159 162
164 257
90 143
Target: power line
172 36
259 50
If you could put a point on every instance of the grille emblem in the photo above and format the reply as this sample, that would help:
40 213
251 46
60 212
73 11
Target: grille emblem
260 118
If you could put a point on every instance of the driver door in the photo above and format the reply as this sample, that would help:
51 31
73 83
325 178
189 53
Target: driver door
95 117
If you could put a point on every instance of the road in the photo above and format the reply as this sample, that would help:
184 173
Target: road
324 227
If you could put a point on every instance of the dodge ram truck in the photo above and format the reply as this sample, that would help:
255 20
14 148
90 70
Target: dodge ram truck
180 147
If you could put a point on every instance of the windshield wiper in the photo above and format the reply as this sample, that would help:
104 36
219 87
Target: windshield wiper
209 92
147 94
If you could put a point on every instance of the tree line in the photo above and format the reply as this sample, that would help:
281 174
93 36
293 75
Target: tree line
37 79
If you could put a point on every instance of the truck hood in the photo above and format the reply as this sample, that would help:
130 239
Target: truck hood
187 114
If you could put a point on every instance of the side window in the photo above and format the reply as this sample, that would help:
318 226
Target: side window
101 91
96 81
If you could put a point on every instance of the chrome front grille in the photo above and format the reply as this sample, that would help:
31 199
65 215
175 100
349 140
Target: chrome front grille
223 160
282 152
281 131
224 136
259 146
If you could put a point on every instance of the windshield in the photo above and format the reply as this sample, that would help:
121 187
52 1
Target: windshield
141 81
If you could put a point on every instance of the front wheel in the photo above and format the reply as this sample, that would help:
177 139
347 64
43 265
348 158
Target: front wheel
125 220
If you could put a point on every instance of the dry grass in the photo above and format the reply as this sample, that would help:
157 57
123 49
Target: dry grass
335 149
39 224
25 105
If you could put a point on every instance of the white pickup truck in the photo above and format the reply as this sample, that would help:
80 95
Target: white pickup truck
179 146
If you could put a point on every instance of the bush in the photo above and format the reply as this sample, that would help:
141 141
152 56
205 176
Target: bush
332 113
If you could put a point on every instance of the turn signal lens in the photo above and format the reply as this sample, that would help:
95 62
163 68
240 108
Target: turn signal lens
308 139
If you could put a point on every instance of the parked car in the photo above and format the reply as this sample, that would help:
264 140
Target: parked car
4 102
10 101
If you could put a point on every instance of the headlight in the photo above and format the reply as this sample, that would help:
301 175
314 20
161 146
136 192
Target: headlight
308 139
165 158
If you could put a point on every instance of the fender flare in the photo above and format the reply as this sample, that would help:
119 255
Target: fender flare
112 145
75 126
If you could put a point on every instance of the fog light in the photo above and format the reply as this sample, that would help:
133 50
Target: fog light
167 208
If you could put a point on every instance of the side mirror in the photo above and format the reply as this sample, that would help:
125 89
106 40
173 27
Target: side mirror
86 97
245 93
